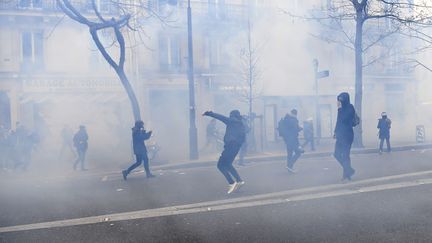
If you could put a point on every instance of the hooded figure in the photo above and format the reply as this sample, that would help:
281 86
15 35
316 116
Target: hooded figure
344 134
384 125
234 138
80 142
290 131
139 135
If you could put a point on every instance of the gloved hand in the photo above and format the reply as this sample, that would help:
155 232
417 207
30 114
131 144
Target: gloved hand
207 113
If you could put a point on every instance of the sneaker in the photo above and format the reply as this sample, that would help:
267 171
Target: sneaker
291 170
150 175
232 188
239 185
124 173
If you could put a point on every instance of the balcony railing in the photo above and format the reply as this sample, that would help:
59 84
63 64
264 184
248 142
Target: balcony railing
83 6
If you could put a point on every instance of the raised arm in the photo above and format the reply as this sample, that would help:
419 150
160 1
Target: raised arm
217 116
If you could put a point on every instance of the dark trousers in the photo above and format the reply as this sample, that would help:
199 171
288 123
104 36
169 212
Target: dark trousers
387 139
80 159
342 155
140 158
225 163
293 154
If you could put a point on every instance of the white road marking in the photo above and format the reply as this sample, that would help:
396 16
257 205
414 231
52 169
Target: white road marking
311 193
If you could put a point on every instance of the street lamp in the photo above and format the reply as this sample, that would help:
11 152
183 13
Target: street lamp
318 75
193 134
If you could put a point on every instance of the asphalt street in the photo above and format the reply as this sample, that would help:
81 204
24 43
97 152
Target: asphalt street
274 206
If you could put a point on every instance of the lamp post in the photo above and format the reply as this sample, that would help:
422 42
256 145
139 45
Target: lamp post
193 135
318 75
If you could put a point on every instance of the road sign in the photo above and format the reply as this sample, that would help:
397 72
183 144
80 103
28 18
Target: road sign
323 74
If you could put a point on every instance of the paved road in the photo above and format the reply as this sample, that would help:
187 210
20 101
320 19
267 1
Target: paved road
311 206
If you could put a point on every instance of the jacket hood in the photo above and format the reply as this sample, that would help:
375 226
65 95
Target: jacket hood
344 98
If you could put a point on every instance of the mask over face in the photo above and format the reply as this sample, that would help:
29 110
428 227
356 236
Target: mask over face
344 99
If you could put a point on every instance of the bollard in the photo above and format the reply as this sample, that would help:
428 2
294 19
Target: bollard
420 134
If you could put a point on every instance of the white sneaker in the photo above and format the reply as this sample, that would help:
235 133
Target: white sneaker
239 184
232 188
291 170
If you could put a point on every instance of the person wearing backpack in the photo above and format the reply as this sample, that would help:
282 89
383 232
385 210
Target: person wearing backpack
384 125
344 134
235 134
289 129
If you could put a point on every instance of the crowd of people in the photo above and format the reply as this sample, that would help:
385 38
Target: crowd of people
16 147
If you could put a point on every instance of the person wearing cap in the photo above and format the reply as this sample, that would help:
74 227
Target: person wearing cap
234 138
80 141
344 134
384 125
290 131
139 135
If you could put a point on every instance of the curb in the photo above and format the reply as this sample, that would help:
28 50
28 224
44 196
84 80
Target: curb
267 158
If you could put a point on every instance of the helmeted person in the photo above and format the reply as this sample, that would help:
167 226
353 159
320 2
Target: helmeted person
344 134
234 138
289 130
139 135
80 141
384 125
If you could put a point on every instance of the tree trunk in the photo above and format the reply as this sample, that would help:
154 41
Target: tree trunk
358 140
131 94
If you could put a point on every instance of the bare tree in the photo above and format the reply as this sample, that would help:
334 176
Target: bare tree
342 16
98 23
249 76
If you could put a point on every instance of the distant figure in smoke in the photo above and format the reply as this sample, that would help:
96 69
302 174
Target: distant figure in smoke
344 134
28 145
211 136
244 147
384 125
233 140
80 141
67 140
308 133
139 135
289 129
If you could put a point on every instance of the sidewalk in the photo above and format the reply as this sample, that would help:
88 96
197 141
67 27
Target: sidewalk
322 151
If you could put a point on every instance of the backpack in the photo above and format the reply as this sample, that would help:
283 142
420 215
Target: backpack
356 120
281 127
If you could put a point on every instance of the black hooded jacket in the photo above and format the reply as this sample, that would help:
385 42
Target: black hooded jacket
138 138
235 130
344 124
292 129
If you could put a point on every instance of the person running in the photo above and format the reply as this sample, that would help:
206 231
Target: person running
289 129
384 125
139 135
233 140
344 134
80 141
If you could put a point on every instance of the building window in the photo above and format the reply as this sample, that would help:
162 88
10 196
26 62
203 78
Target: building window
32 50
217 54
216 8
30 3
167 6
169 53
